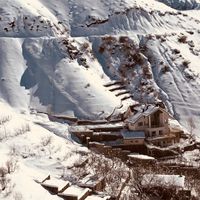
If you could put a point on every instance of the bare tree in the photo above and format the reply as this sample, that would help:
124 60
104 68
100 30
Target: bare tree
114 172
192 127
11 165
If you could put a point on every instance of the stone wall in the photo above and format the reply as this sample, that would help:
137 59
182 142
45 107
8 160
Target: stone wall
96 137
109 151
159 153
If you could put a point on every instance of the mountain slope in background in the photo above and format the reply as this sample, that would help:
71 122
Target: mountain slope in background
51 54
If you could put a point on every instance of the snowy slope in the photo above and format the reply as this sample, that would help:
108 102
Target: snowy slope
34 151
182 4
177 75
55 46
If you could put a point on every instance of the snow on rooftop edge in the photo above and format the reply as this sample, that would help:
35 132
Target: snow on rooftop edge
75 190
94 197
141 156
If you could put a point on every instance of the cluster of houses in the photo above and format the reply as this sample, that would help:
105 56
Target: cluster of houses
140 128
137 129
89 188
150 124
92 188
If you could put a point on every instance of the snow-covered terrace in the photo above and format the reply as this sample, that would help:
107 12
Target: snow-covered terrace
75 191
88 128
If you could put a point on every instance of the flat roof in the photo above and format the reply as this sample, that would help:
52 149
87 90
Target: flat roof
76 190
132 134
141 156
56 182
90 128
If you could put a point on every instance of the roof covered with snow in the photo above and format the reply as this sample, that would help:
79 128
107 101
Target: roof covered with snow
75 190
95 197
144 112
57 182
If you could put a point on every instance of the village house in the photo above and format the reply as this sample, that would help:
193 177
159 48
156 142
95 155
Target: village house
141 128
153 120
75 192
133 137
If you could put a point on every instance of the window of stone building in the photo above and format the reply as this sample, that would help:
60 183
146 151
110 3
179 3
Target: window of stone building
164 142
148 134
140 124
153 133
160 132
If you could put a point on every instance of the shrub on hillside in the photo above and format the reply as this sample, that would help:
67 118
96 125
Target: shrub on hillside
176 51
165 69
84 46
4 180
138 58
11 165
46 140
186 63
123 39
182 39
4 119
101 49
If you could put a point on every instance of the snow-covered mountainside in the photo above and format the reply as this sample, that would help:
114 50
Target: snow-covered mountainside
90 59
33 147
182 4
58 56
